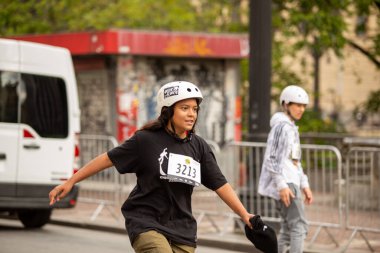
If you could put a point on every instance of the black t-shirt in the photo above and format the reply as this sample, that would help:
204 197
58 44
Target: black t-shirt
161 199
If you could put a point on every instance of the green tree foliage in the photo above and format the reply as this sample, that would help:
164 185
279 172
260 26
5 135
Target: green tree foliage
370 108
315 25
49 16
319 27
372 105
312 122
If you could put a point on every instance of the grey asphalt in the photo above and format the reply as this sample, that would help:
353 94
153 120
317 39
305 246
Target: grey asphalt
62 239
110 220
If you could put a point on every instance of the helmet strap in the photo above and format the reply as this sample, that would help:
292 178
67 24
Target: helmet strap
189 134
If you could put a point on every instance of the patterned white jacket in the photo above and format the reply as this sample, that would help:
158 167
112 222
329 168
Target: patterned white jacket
282 159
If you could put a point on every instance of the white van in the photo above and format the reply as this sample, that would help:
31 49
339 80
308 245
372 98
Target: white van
39 127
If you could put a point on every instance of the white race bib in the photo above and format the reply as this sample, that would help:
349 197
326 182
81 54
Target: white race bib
296 152
184 169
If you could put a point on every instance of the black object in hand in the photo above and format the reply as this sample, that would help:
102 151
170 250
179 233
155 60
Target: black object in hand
261 235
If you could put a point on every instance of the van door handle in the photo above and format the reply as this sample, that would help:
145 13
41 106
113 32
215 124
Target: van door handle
3 156
32 146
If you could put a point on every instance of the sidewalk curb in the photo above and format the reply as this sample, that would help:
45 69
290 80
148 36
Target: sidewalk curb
85 225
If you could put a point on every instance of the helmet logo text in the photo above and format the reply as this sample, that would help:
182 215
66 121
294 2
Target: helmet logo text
171 91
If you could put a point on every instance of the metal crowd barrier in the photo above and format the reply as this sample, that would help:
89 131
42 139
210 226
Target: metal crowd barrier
321 163
241 163
346 198
101 189
343 196
362 192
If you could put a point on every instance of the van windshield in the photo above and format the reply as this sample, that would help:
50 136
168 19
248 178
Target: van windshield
36 100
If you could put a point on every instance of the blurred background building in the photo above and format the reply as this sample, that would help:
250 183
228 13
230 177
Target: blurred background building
120 71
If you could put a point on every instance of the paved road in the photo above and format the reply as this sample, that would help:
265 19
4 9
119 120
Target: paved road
60 239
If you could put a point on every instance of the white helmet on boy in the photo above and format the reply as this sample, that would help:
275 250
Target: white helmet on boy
172 92
294 94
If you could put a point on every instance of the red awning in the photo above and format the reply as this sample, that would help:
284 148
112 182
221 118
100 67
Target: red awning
150 43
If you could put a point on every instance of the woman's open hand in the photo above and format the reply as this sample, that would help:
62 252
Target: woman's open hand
60 192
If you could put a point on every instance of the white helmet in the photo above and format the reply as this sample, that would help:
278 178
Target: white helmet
294 94
172 92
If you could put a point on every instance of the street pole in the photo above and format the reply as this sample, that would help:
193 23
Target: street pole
260 42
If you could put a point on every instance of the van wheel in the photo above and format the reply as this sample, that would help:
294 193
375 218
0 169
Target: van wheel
34 218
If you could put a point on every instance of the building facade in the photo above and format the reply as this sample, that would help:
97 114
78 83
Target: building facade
120 71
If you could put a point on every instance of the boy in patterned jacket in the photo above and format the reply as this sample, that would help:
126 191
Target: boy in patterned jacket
282 176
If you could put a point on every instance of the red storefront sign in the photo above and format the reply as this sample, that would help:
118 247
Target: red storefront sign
160 43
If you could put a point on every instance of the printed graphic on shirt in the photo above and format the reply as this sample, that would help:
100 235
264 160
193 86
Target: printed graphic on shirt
180 168
171 91
296 152
163 155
